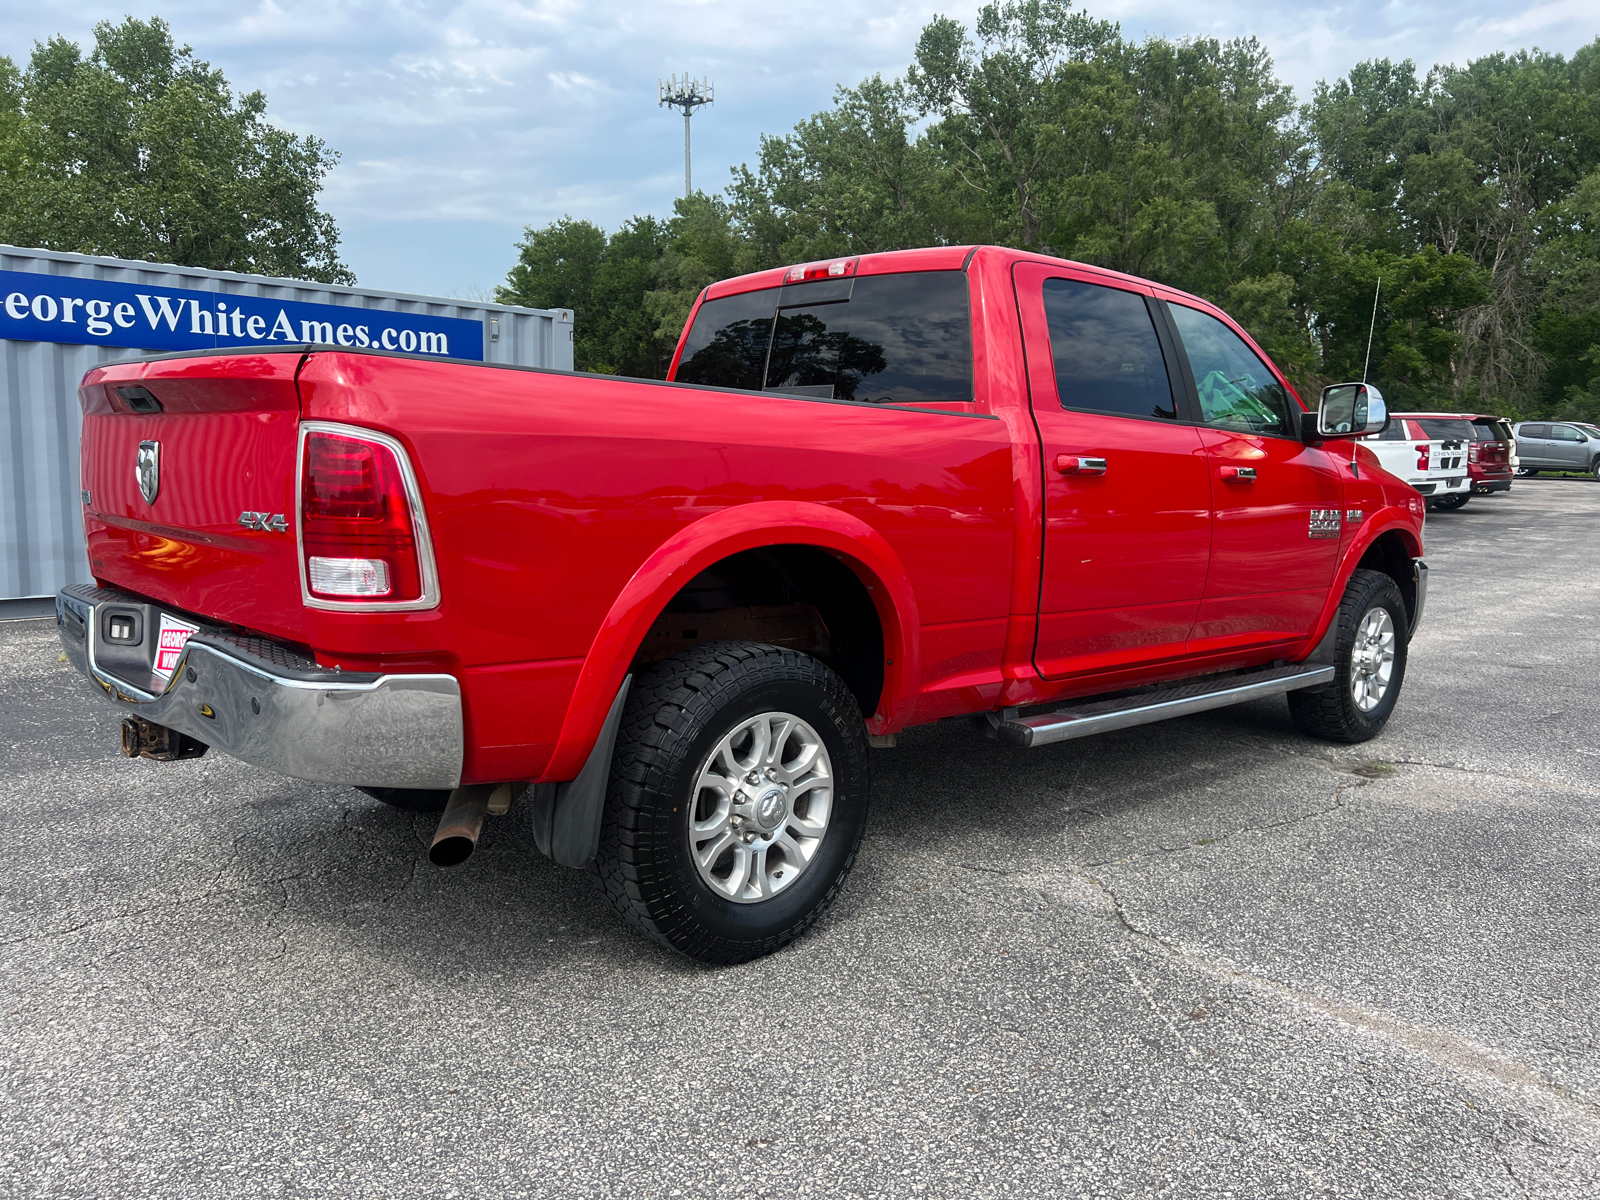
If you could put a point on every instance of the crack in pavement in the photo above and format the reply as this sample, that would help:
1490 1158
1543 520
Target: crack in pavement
46 935
1451 1051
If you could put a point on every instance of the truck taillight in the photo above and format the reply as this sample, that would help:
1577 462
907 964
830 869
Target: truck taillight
363 537
1472 452
1422 457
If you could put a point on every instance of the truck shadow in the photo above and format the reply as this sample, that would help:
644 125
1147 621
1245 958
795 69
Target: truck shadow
944 794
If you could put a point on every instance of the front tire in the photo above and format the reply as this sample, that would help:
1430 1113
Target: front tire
1369 664
737 801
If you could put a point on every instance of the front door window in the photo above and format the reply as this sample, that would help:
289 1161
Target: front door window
1277 504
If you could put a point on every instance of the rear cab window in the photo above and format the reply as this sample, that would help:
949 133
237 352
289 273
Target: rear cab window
728 345
1107 356
903 338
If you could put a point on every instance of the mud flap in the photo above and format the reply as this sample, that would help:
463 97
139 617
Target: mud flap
566 816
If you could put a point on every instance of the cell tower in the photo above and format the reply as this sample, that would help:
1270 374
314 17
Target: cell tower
687 94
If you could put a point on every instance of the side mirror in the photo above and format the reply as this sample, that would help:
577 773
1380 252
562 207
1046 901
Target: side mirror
1348 410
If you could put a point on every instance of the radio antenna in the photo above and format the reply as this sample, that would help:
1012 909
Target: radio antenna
1370 328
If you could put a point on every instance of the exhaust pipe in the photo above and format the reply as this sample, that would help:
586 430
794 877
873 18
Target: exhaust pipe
459 826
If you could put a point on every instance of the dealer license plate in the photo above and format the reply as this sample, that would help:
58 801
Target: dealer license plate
173 636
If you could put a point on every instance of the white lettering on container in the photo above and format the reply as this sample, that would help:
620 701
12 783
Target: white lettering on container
170 311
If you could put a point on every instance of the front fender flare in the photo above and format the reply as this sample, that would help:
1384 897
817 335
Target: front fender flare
1385 521
697 546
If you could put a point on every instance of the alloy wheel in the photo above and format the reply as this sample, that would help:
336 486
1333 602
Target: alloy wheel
760 807
1372 659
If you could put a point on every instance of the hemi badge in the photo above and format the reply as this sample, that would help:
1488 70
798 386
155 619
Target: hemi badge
1352 516
1324 523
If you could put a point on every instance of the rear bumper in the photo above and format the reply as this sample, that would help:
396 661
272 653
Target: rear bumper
273 708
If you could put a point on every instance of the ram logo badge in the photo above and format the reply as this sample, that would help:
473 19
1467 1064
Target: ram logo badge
1324 523
147 469
266 522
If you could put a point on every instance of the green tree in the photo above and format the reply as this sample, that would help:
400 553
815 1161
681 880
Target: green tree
1472 193
991 94
629 291
142 151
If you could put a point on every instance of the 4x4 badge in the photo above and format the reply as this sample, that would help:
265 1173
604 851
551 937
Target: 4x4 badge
266 522
147 469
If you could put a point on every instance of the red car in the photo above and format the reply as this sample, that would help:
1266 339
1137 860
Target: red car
1489 445
877 492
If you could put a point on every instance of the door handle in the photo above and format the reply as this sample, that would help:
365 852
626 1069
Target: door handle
1080 464
1239 474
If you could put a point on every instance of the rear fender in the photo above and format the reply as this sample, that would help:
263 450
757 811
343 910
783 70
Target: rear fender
708 541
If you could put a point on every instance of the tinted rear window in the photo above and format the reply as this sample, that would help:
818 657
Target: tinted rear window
888 339
1107 356
1439 429
728 345
1534 431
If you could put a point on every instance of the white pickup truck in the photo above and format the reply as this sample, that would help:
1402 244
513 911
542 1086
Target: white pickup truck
1436 468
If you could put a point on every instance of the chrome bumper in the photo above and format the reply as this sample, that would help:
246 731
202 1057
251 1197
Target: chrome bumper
264 705
1419 574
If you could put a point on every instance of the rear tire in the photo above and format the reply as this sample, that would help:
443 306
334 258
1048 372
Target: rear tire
727 754
1451 503
1369 664
1527 472
1594 468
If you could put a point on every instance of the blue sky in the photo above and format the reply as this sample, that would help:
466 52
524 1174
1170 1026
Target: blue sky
460 123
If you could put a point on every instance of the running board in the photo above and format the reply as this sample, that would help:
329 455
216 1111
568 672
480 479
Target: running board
1101 716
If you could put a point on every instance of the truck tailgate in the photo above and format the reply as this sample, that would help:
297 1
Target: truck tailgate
188 469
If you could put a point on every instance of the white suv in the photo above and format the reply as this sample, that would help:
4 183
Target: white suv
1436 467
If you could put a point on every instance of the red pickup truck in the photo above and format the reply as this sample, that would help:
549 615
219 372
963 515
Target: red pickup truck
668 619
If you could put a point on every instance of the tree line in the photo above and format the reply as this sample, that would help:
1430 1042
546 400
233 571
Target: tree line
140 150
1467 197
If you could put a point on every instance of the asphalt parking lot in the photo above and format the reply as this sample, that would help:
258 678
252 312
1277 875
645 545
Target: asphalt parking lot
1205 958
